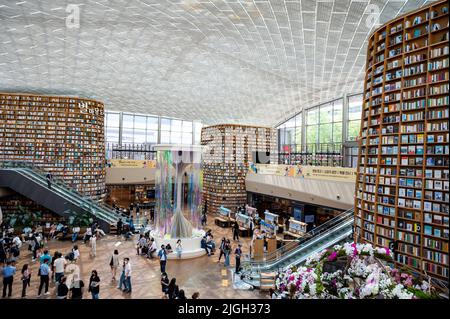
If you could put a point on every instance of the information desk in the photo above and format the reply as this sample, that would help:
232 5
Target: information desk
296 229
244 224
223 220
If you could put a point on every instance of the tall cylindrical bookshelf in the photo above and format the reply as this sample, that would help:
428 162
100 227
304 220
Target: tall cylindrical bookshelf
228 150
60 134
402 189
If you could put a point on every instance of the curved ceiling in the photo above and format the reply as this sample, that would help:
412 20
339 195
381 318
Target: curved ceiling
216 61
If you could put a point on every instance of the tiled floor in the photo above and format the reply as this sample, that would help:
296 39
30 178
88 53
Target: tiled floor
203 274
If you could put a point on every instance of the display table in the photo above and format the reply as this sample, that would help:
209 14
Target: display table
244 232
296 229
244 224
222 222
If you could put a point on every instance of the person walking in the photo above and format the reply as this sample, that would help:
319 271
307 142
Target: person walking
62 291
222 245
237 254
75 232
162 254
179 248
119 226
122 276
26 278
49 178
227 251
44 273
59 266
127 273
94 285
114 264
93 242
236 231
87 235
164 284
8 272
204 219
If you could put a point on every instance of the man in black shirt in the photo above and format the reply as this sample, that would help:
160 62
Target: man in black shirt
62 289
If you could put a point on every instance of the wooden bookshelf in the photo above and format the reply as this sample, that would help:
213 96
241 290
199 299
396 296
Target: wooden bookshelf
402 189
228 150
64 135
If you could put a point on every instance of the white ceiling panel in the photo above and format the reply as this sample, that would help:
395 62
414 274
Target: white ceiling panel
216 61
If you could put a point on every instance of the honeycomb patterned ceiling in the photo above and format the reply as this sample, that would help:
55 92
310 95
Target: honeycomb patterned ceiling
215 61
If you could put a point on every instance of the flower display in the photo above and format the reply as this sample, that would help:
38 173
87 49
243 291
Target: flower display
351 271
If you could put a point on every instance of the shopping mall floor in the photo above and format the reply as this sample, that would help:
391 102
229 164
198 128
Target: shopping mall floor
203 274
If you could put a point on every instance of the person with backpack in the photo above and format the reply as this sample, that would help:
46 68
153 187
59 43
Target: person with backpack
8 277
26 278
114 264
162 254
94 285
44 274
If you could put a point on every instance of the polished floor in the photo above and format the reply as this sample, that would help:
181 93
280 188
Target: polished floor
203 274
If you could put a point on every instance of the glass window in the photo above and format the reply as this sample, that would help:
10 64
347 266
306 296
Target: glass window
187 138
152 123
290 136
139 136
337 110
197 132
290 123
312 134
165 124
165 137
337 132
140 122
326 115
175 137
112 135
355 107
353 129
176 126
152 137
127 135
187 127
112 119
127 121
312 116
325 133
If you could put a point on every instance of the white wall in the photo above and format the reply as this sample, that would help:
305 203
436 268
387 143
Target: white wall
116 175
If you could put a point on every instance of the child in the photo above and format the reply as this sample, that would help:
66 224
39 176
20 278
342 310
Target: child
76 253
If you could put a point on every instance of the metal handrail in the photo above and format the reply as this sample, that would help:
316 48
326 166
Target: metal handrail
316 231
83 201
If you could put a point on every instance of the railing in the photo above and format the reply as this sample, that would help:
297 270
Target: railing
288 249
84 202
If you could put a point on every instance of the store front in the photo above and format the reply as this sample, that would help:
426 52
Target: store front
312 215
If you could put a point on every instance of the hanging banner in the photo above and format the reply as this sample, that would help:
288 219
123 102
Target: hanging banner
124 163
344 174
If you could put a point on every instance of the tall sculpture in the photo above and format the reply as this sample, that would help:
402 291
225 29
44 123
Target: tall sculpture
178 190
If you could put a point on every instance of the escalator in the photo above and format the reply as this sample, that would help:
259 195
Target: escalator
61 199
296 252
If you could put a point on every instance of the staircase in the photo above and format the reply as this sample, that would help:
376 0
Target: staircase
31 183
260 273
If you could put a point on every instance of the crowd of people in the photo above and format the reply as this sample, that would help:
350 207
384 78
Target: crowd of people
53 272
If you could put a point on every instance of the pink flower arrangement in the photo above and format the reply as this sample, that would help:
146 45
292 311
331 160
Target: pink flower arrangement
332 256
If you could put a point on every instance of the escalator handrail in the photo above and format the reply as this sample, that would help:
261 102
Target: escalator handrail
272 264
64 192
282 254
316 231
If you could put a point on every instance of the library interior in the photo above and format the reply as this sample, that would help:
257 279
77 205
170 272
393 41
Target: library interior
224 149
